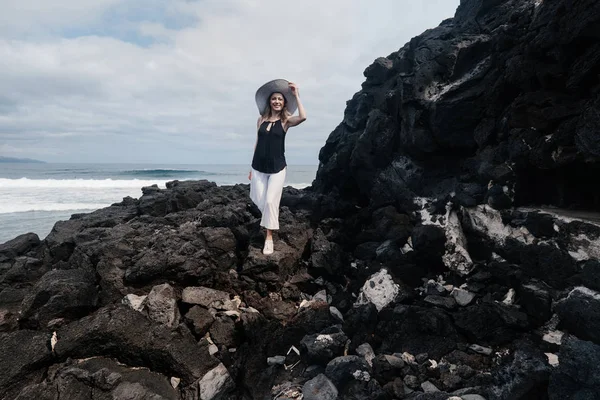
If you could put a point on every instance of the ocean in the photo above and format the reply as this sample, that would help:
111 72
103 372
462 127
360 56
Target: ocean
33 196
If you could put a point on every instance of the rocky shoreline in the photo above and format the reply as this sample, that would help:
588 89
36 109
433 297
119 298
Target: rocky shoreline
448 248
170 297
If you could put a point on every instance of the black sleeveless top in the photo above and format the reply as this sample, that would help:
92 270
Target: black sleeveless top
269 154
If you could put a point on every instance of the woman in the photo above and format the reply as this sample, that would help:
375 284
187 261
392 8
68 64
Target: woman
277 101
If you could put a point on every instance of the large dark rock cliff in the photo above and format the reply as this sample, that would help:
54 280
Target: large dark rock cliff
498 105
420 264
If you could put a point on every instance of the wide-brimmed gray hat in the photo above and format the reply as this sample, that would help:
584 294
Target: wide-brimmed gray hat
264 93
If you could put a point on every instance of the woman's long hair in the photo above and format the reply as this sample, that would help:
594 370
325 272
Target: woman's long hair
284 114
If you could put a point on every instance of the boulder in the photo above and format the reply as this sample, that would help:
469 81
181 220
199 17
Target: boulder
60 293
579 313
319 388
572 379
161 305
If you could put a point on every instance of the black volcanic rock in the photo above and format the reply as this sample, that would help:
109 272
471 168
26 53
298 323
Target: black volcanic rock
418 330
19 245
103 379
570 380
128 336
59 294
524 376
536 300
324 346
22 352
488 323
580 314
344 369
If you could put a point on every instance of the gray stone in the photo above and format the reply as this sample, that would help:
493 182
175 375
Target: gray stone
319 388
462 297
472 397
365 350
205 297
394 361
276 360
429 387
215 384
480 349
161 305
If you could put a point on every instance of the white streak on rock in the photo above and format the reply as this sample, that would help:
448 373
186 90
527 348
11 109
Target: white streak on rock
552 359
488 222
134 301
510 297
456 257
436 90
53 340
585 247
585 291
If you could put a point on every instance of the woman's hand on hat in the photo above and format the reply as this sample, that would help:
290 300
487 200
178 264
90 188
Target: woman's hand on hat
294 89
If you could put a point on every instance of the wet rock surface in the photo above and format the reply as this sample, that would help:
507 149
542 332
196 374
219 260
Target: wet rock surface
417 266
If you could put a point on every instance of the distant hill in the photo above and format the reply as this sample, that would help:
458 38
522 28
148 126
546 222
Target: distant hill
18 160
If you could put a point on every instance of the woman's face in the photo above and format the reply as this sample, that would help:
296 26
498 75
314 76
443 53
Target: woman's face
277 102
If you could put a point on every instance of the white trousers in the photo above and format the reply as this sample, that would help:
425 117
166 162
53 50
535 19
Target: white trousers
265 192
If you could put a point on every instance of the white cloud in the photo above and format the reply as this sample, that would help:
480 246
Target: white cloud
188 95
34 17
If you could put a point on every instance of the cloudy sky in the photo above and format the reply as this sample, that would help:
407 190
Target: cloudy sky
173 81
